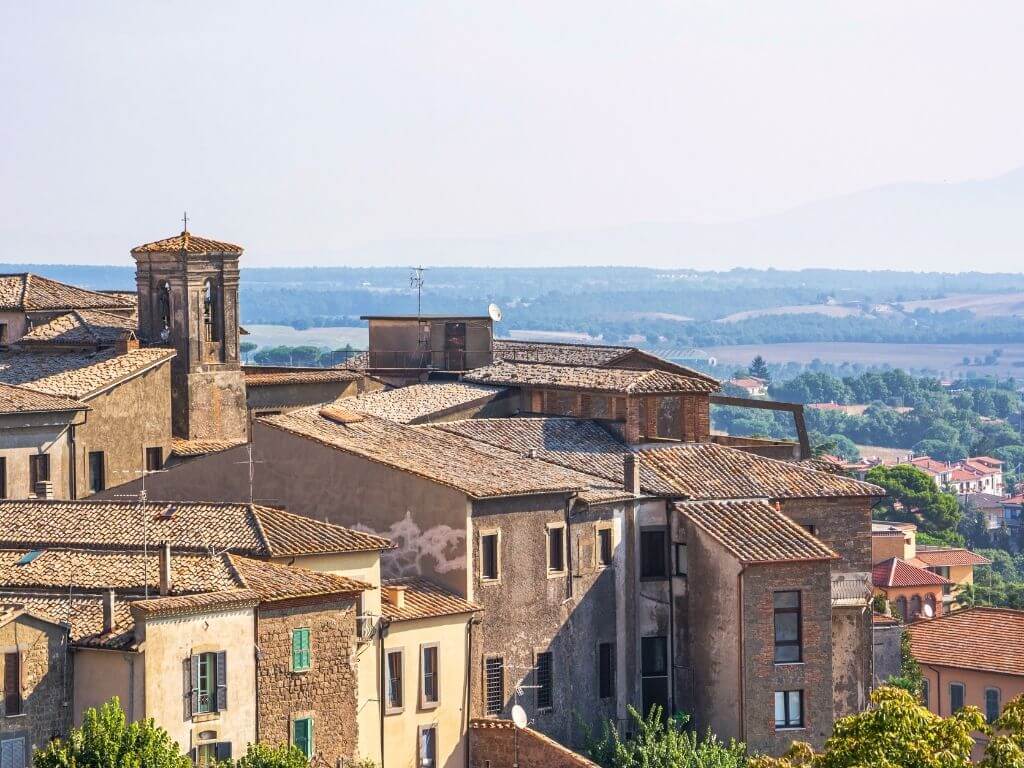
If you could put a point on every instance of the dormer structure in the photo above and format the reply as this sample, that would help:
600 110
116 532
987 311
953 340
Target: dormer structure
188 300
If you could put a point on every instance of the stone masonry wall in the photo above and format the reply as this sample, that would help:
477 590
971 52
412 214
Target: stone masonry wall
496 744
327 691
45 682
844 524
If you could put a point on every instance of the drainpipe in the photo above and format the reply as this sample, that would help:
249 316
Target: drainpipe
72 468
570 502
742 664
382 631
671 605
938 687
469 684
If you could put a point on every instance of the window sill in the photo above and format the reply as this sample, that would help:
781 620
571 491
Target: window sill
489 582
395 711
654 578
305 671
205 717
790 728
790 663
427 706
556 574
15 717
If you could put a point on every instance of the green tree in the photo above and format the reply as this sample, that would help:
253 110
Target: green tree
759 368
246 347
107 740
658 743
913 497
263 756
895 732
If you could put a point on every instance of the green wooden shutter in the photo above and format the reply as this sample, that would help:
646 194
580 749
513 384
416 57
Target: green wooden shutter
300 650
302 735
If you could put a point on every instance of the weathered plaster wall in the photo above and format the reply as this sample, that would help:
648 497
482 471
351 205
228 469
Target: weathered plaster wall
886 643
123 422
286 397
30 435
45 678
216 405
17 325
101 675
852 667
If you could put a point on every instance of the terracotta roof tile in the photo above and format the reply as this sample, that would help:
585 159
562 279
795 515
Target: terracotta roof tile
612 380
83 613
358 362
753 531
424 600
957 556
81 326
594 355
985 639
77 374
24 400
897 572
881 620
188 243
419 402
204 602
271 581
480 471
190 526
180 447
257 377
26 292
711 471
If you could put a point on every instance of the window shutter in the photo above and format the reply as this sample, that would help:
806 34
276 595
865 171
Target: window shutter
223 750
19 753
193 690
7 753
12 683
222 681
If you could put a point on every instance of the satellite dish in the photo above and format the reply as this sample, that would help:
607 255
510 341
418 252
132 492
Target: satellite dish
495 312
928 611
519 717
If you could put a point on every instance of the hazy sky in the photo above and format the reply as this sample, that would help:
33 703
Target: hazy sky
298 128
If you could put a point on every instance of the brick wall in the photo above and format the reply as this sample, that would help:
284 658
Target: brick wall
695 418
844 524
327 690
762 677
496 743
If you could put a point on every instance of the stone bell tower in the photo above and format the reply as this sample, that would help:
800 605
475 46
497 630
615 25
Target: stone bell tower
188 299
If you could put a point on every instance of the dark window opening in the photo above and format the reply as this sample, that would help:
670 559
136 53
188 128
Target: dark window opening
12 684
605 551
164 312
210 307
654 672
788 647
394 675
430 694
428 747
494 686
991 705
3 477
606 670
38 470
957 691
556 549
544 680
653 545
789 709
97 473
489 556
154 459
682 559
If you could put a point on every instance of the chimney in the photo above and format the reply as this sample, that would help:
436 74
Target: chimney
108 612
44 489
165 569
395 594
126 343
631 473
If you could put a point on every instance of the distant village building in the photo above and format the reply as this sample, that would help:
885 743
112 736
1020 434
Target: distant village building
751 386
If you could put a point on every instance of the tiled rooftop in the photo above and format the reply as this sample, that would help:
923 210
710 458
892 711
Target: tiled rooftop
201 447
77 374
897 572
478 470
24 400
753 531
424 600
984 639
271 581
586 379
200 603
81 326
255 376
953 556
26 292
418 402
84 613
192 526
188 243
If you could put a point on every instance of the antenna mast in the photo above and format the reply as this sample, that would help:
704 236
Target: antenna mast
416 281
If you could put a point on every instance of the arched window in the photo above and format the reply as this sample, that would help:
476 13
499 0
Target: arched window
930 602
915 607
163 311
210 311
901 607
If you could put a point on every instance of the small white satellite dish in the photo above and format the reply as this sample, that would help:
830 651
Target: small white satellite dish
495 312
519 717
928 611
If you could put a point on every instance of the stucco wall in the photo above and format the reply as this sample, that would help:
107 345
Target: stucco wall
45 681
101 675
852 667
449 716
27 435
123 422
169 642
886 644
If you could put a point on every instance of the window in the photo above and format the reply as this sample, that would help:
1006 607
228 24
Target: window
3 333
429 680
207 682
942 570
556 548
652 553
494 685
97 481
787 627
924 692
427 747
654 672
302 735
210 311
154 459
12 684
605 551
38 470
300 649
164 311
789 709
489 556
811 529
12 753
956 697
545 693
682 559
395 663
3 477
915 607
606 670
901 607
212 754
991 705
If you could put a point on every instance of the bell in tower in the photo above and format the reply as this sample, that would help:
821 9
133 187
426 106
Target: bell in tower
188 299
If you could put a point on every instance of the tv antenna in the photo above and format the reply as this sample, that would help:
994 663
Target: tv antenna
249 461
141 498
416 281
